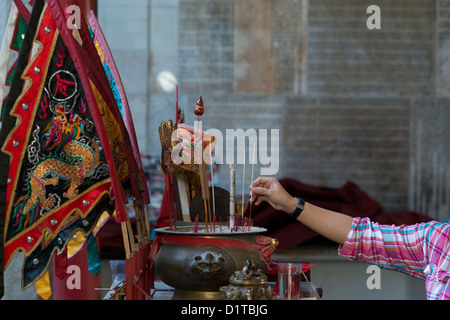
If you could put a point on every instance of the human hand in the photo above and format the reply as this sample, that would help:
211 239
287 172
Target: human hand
269 189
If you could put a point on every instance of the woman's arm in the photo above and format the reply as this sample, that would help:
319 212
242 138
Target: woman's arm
330 224
406 248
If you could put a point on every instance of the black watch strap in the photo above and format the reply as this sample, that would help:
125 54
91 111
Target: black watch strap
298 210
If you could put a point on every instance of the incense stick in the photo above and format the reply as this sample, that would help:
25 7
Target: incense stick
232 195
205 192
177 116
196 224
170 200
206 215
126 240
251 195
243 184
212 182
310 286
209 213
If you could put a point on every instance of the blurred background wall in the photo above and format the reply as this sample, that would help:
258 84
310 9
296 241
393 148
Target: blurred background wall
350 103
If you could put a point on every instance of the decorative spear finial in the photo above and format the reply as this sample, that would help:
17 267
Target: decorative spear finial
199 107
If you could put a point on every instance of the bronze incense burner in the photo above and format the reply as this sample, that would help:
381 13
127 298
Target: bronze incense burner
198 264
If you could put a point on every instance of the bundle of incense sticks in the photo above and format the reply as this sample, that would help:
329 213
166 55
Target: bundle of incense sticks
234 222
205 194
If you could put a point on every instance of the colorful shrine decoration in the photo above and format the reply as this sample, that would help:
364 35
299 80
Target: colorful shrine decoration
66 154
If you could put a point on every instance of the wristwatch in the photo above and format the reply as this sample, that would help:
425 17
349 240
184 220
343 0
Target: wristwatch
300 207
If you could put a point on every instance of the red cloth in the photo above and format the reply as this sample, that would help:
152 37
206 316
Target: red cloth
349 199
80 275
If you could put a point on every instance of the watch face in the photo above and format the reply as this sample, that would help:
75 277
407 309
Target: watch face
301 204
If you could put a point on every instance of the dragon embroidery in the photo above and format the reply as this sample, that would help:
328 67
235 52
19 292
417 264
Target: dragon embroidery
71 162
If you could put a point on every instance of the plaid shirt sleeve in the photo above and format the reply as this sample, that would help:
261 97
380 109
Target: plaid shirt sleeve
421 250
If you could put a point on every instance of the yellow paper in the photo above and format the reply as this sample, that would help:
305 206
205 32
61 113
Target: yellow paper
43 287
103 218
75 244
77 241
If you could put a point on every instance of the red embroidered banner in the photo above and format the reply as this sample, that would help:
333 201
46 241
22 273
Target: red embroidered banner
65 152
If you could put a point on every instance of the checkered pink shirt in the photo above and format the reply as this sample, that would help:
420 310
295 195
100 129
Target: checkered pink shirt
421 250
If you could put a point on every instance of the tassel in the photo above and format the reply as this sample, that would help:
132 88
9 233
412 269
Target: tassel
75 243
93 255
60 264
43 287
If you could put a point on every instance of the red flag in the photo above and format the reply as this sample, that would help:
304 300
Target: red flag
63 149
